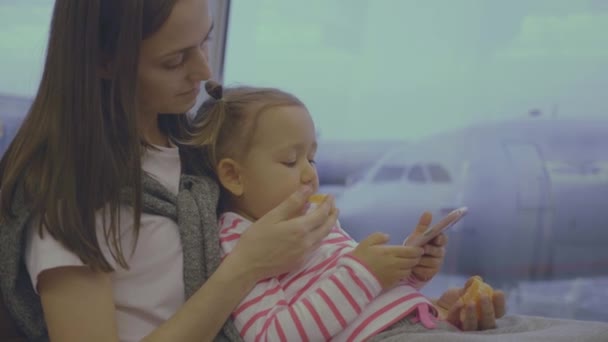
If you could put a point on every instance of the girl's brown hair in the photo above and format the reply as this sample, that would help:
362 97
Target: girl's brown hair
225 123
79 144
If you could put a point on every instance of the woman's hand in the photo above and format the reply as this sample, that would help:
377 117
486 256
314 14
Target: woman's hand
281 239
464 316
434 251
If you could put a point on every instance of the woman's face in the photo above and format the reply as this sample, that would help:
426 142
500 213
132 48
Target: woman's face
174 60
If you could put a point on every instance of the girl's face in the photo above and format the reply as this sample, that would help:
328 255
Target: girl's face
174 60
280 160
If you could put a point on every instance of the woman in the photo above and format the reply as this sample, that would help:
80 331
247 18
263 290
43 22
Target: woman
90 241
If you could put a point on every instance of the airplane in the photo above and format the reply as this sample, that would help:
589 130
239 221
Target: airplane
536 190
342 162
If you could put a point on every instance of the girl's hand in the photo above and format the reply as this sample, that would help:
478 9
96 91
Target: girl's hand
389 264
465 317
434 251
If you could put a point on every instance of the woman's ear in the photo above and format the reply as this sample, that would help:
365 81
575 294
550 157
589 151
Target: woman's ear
229 174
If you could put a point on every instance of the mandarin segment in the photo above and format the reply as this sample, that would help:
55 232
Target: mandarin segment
476 289
317 198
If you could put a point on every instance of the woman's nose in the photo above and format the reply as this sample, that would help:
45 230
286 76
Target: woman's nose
201 70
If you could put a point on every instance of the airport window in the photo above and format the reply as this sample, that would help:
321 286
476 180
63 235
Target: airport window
389 173
438 173
22 42
407 70
416 174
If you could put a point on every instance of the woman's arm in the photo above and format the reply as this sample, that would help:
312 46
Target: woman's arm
204 314
78 302
78 305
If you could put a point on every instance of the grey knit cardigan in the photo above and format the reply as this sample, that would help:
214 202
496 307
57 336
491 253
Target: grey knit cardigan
194 209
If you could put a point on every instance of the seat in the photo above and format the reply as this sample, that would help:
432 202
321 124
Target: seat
8 329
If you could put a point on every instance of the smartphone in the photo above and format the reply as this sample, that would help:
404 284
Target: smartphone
436 229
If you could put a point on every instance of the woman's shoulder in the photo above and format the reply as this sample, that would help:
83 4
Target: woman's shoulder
43 252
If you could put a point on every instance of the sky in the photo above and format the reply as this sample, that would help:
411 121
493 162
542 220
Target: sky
408 68
389 69
23 35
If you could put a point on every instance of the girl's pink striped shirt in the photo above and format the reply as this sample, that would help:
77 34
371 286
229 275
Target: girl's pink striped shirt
333 296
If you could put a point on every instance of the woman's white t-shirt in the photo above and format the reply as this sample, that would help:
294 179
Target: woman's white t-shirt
152 290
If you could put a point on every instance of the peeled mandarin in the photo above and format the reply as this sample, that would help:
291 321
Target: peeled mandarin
474 292
317 198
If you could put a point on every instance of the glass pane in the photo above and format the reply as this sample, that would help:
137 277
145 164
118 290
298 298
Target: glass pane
389 173
507 96
23 34
438 173
416 174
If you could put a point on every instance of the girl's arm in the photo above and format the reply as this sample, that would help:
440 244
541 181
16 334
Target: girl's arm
316 308
320 308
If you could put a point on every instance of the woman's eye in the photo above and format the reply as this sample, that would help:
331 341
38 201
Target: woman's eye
312 161
175 64
290 163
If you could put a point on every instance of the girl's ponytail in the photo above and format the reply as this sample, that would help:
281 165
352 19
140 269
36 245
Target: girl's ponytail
205 129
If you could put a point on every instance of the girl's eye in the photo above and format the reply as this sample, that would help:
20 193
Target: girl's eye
290 163
312 162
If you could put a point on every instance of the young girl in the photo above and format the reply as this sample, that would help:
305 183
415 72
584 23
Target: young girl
97 236
261 143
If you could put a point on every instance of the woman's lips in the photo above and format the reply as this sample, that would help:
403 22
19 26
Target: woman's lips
193 91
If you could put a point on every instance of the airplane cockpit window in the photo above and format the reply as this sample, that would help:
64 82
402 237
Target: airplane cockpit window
389 173
416 174
438 173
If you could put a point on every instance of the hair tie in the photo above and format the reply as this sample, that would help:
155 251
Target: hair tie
214 89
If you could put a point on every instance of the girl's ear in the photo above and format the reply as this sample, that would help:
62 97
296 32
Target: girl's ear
229 174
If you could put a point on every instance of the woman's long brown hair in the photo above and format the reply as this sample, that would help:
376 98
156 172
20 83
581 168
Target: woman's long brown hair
79 144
